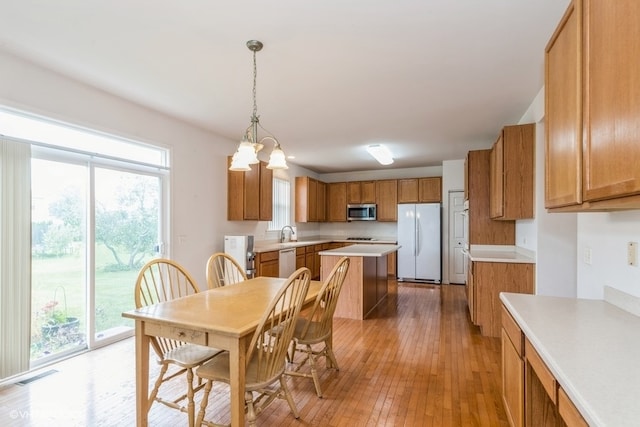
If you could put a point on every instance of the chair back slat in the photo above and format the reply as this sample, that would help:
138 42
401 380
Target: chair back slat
321 314
158 281
271 339
223 269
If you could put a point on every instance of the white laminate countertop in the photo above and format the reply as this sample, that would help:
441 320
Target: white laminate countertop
591 347
266 246
489 253
362 250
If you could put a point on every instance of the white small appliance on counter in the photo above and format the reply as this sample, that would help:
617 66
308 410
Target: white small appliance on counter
241 248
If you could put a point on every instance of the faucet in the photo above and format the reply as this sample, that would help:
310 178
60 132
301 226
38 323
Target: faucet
282 232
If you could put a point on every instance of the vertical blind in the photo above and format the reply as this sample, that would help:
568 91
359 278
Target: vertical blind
15 257
281 204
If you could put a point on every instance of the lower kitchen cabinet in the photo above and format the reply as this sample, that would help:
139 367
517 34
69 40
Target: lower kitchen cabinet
531 394
512 370
268 264
488 279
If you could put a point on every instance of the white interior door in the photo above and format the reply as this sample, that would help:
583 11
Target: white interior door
457 238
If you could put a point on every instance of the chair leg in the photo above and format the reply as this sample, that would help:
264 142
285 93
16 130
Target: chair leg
330 356
287 395
190 405
314 370
251 410
156 387
205 401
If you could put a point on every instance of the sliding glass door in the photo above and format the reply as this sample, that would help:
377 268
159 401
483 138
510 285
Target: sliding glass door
127 223
58 258
92 229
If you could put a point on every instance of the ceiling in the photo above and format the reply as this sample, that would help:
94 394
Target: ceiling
430 79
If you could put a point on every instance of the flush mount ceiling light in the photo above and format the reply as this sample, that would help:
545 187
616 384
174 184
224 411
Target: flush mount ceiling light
380 153
247 153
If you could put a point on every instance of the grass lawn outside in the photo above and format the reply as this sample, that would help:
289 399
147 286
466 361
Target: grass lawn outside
61 280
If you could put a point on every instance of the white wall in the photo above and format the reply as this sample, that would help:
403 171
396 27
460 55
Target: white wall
551 236
198 185
607 235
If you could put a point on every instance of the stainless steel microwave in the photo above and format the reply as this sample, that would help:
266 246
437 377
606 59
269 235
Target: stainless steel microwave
361 212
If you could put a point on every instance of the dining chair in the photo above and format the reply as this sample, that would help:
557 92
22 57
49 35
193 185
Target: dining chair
223 269
162 280
266 356
316 327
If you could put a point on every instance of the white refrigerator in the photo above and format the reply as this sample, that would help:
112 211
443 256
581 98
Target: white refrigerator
419 235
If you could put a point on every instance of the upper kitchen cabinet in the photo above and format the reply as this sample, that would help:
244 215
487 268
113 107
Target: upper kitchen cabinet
337 201
250 193
310 199
361 192
592 93
420 190
482 229
511 167
387 199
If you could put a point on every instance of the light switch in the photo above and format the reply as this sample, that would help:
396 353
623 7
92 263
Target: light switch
586 256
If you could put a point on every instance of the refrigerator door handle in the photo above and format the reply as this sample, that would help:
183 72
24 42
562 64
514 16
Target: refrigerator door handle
416 246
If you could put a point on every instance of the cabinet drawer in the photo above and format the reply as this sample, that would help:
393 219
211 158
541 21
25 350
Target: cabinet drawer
513 331
569 413
180 334
268 256
542 372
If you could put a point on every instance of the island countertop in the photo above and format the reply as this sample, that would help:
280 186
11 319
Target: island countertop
362 250
591 347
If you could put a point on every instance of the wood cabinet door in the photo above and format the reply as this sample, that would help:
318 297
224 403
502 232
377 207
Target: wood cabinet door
563 111
611 99
266 193
482 229
321 201
430 189
496 179
252 193
387 199
354 192
337 201
512 382
408 190
368 191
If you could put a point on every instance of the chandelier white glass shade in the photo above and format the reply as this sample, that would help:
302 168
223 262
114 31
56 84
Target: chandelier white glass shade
247 152
381 154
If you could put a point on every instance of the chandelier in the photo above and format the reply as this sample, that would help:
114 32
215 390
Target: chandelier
247 152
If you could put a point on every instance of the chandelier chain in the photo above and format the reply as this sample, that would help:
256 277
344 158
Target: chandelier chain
255 73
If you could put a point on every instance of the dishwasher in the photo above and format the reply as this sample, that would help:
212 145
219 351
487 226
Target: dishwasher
287 264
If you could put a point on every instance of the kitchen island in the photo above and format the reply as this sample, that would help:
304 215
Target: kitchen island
365 285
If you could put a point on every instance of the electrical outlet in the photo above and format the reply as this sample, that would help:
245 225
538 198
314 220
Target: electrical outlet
586 256
632 254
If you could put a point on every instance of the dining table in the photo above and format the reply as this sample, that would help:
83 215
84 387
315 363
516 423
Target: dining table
224 318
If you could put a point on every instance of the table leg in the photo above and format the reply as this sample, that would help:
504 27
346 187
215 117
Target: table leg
142 375
237 365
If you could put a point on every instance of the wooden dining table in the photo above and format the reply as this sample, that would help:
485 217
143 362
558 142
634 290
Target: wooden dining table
224 318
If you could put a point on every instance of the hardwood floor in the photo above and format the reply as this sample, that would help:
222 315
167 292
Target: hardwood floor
417 361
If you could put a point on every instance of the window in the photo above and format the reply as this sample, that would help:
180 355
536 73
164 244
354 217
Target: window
97 215
281 204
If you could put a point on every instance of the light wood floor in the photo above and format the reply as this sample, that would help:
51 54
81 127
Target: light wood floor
417 361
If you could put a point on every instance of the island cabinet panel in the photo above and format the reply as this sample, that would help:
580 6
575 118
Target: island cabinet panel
592 102
365 284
